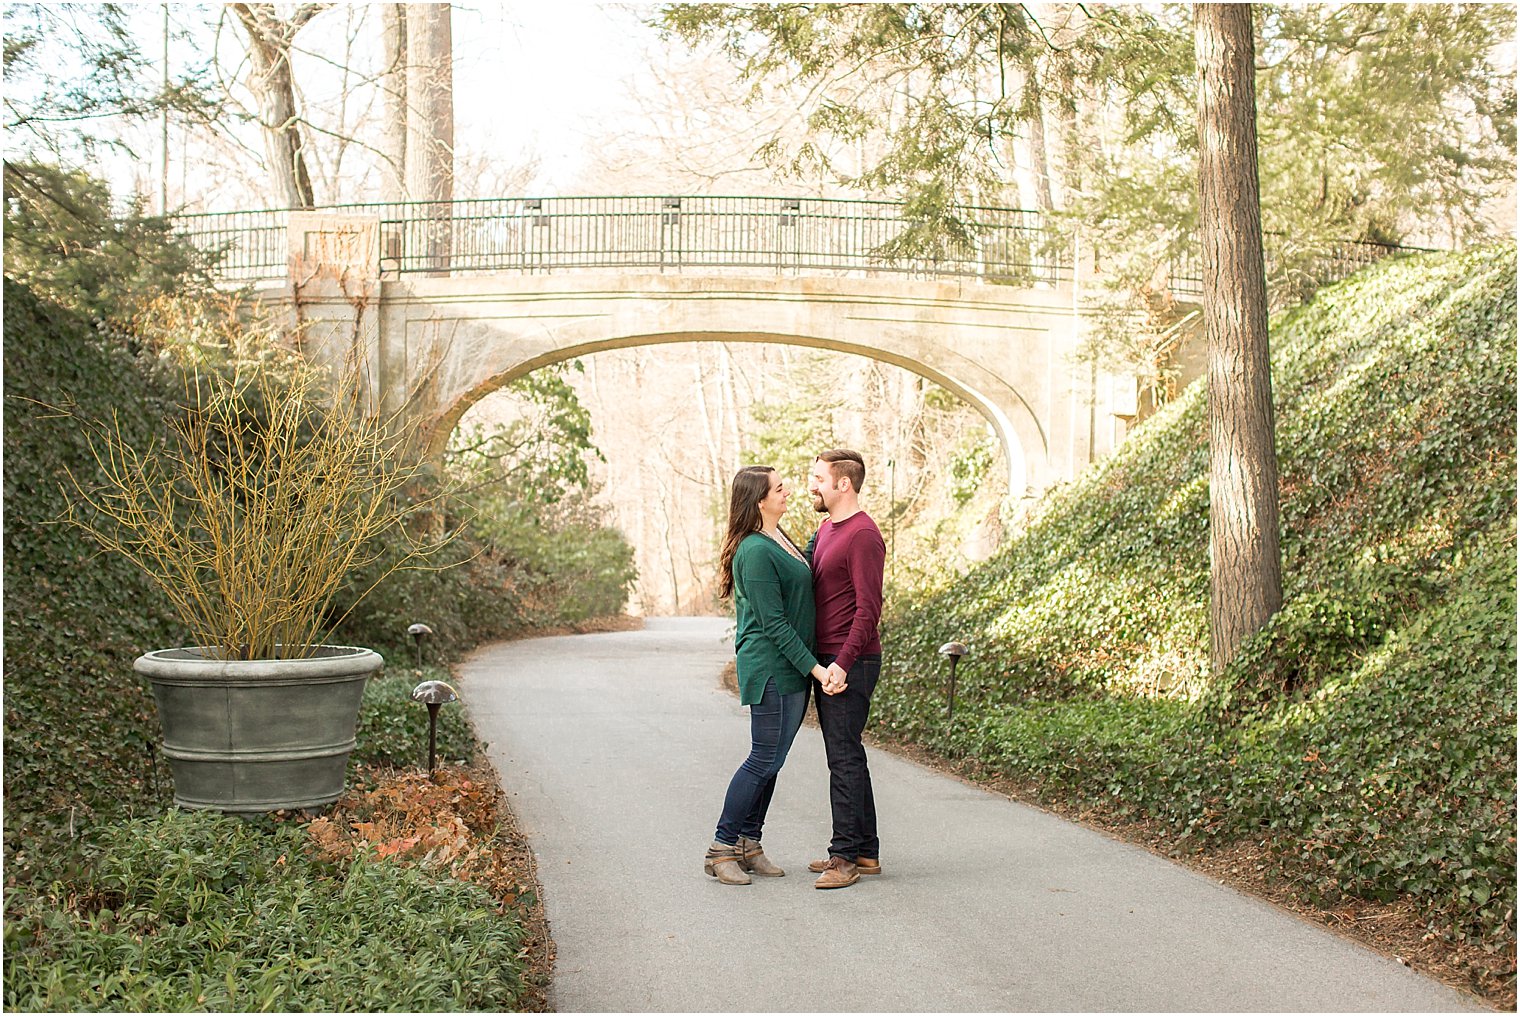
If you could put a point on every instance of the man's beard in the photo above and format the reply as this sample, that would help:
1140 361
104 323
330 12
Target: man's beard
818 505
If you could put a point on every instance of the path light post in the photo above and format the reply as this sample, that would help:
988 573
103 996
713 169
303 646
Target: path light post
954 650
434 694
419 633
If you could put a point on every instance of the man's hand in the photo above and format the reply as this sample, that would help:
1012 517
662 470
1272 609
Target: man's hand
835 682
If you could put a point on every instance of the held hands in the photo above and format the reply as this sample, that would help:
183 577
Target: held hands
831 680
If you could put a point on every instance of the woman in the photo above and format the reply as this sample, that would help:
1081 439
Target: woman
772 589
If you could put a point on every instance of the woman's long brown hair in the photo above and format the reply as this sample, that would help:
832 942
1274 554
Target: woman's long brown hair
750 487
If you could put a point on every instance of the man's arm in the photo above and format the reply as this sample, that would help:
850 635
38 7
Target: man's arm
865 562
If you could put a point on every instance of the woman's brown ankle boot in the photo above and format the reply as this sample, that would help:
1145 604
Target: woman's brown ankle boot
754 860
722 863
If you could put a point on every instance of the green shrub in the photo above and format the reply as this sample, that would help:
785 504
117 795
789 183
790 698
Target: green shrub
518 566
393 729
1366 736
195 912
80 728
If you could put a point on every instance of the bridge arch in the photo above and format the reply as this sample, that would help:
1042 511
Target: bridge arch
435 346
1015 432
963 338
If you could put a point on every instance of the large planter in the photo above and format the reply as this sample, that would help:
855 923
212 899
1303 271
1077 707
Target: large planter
258 735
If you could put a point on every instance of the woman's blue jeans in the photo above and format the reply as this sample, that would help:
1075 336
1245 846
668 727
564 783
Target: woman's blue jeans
773 723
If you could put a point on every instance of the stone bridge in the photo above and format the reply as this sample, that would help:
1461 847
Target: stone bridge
440 304
445 343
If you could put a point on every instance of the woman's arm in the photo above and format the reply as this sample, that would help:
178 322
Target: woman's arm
756 577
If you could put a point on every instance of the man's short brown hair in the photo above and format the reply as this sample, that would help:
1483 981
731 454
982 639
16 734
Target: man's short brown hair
845 463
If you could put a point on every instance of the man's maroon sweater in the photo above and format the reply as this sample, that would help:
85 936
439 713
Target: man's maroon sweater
848 561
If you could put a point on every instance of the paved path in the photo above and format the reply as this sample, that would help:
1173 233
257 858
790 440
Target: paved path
616 749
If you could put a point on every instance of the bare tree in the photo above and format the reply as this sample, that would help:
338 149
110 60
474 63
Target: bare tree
269 44
393 62
1245 559
430 121
342 124
694 132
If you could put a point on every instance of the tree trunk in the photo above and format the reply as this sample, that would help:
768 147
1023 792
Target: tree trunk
1245 565
269 41
1039 158
1064 24
1036 150
393 92
430 125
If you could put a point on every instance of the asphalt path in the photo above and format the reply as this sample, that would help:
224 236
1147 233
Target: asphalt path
616 750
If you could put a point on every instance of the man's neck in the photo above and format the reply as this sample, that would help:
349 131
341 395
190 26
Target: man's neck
841 512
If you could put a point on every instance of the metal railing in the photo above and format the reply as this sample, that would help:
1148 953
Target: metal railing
815 236
659 233
1293 271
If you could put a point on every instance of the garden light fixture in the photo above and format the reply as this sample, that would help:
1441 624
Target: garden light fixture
433 694
419 632
954 650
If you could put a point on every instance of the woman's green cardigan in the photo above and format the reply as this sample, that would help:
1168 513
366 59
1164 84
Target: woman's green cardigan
773 639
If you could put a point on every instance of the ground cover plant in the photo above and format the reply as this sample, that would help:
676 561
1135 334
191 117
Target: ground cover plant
80 730
86 793
1363 745
201 912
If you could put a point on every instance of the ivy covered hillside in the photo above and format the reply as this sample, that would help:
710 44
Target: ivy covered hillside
1363 744
409 893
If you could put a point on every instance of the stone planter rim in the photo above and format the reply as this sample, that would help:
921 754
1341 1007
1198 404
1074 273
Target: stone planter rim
199 664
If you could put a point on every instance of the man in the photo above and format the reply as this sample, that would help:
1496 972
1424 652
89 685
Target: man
847 555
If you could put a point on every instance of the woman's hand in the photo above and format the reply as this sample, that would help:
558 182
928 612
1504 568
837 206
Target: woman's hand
830 678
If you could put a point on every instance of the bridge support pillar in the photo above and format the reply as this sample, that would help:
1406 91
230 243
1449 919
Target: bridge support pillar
334 297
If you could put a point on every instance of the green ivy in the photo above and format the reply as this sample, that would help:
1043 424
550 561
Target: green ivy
1366 736
80 729
201 913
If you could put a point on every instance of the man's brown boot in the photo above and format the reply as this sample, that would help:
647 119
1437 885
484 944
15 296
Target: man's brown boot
722 863
837 873
754 860
865 865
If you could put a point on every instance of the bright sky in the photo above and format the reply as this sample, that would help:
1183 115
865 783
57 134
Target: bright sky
530 79
541 75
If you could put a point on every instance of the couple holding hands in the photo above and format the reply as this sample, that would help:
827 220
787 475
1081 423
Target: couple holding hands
787 601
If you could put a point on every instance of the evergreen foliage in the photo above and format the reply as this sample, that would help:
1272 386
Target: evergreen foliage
203 913
1366 737
80 727
1376 121
63 243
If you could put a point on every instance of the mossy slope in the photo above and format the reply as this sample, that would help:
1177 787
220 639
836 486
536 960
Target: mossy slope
1366 738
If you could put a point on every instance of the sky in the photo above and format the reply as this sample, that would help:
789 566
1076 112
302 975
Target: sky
531 80
546 73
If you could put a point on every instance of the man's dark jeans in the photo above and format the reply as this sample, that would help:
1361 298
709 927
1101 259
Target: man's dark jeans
842 718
